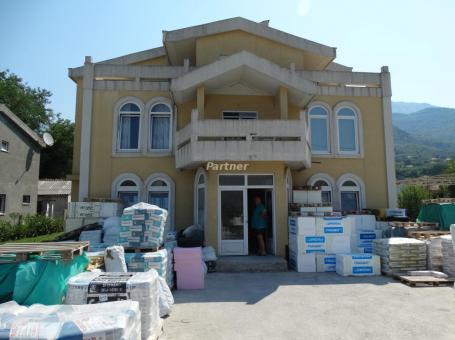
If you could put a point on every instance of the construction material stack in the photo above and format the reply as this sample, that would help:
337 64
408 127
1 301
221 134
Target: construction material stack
358 265
84 213
189 267
94 287
400 254
364 229
434 254
448 255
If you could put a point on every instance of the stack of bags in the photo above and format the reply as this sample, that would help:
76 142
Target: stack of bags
112 320
143 226
92 288
189 268
400 254
358 264
434 254
363 232
93 236
84 213
160 260
111 231
448 255
315 241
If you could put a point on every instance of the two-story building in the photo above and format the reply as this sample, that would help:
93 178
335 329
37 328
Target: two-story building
224 112
20 149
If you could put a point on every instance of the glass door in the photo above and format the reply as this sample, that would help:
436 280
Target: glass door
233 222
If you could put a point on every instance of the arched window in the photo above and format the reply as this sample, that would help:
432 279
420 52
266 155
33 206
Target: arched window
200 198
127 188
327 185
160 127
319 129
348 130
350 195
128 127
160 191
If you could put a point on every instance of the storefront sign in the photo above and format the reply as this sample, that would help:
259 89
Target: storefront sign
226 166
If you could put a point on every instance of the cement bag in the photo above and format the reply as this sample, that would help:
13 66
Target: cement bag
208 254
113 320
8 311
45 282
111 230
7 279
114 259
166 300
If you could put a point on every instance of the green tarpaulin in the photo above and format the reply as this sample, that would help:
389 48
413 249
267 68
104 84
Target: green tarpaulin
442 213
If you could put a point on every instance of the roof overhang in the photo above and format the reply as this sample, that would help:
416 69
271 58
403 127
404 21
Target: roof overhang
180 43
249 70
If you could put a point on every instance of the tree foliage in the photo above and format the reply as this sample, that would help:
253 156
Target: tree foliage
450 167
30 105
410 198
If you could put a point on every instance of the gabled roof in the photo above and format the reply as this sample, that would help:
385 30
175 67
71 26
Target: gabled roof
54 187
24 127
260 29
243 67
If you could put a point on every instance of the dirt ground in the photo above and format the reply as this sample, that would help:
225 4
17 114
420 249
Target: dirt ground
292 305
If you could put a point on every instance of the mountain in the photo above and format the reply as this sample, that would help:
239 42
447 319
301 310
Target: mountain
423 139
405 107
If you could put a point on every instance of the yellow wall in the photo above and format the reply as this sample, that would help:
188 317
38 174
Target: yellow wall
210 48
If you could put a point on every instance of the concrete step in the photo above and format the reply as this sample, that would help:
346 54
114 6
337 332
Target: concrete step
267 263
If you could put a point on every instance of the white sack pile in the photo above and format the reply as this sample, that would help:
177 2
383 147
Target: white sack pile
113 320
93 288
448 255
399 254
434 254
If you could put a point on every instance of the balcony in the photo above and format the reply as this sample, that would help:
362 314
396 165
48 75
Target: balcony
202 141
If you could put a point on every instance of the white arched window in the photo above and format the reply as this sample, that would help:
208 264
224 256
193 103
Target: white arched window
352 193
128 133
347 130
200 198
319 129
160 191
160 127
127 189
327 185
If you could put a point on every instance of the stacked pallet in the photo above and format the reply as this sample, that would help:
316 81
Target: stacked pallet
400 254
434 253
448 255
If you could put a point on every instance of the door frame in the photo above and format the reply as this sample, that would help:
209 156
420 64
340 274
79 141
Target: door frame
245 188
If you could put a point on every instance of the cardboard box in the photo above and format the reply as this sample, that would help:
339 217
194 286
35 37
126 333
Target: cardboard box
358 265
302 263
302 225
338 244
326 263
333 225
305 244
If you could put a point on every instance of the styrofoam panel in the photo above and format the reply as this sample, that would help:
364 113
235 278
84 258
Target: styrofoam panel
358 265
302 225
302 263
326 263
338 244
307 244
333 225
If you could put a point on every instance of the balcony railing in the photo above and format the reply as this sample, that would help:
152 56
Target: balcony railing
242 140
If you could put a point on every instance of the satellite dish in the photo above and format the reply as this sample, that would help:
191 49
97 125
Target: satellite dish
48 139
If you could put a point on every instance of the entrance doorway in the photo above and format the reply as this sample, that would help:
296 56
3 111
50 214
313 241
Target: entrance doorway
236 203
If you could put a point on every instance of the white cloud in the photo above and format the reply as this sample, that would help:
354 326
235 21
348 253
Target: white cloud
303 7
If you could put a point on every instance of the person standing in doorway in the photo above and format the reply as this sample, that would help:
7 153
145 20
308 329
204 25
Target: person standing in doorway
259 225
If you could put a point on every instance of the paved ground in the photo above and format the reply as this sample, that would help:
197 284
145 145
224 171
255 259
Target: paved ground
293 305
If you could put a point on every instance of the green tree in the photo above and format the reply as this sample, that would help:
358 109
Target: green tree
56 160
450 167
410 198
29 104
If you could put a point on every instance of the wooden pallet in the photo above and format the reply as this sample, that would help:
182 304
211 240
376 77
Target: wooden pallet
417 225
424 281
427 234
18 252
439 200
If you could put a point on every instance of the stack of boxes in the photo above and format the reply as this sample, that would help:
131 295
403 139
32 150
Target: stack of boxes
363 232
315 241
143 226
448 255
189 268
358 264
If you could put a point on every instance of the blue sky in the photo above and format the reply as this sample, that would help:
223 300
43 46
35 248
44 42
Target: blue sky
40 39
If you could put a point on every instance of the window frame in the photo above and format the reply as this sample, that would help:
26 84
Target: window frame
359 189
150 120
119 115
128 189
4 146
356 120
327 118
24 201
2 204
171 192
331 185
117 185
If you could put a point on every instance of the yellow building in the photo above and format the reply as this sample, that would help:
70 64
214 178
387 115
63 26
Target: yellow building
227 111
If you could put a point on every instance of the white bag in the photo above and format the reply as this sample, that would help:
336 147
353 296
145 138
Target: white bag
166 300
114 259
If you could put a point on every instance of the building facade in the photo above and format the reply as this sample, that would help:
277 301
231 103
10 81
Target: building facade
227 111
19 165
